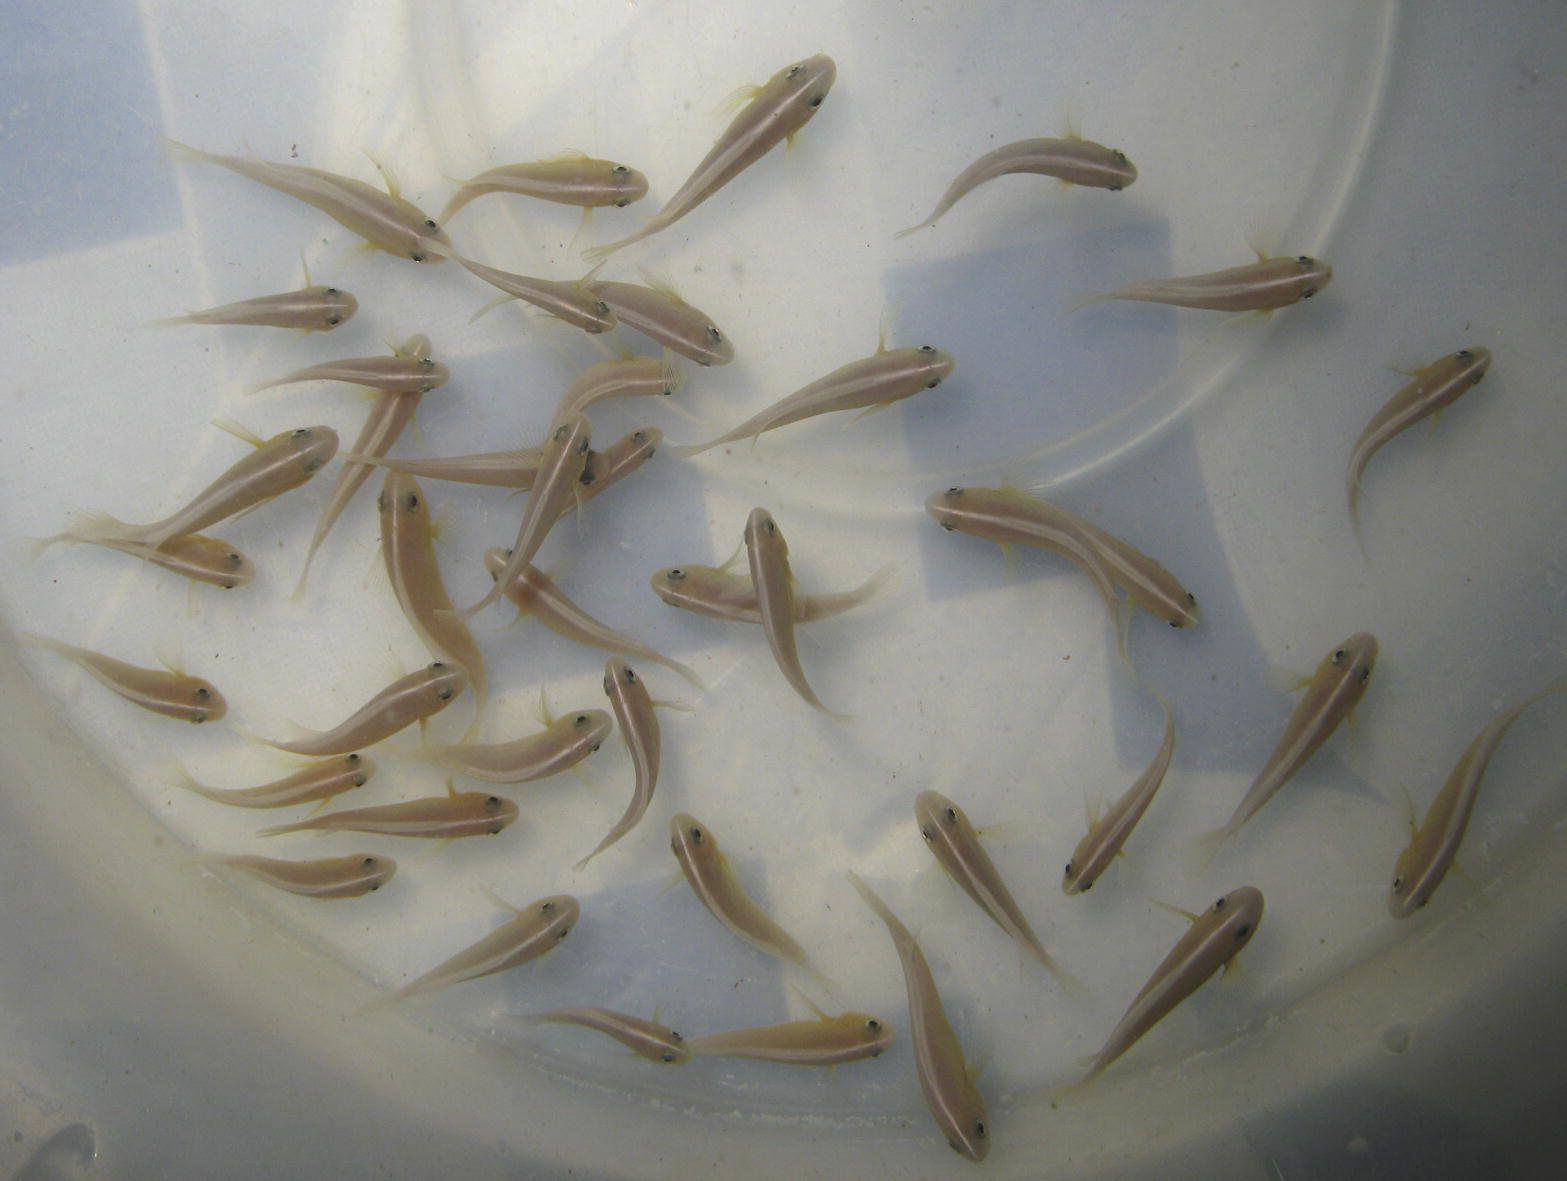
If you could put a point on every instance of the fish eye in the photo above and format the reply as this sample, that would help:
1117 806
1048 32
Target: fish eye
979 1129
933 383
1464 354
546 907
1421 903
925 348
1086 886
368 863
416 256
1068 871
1365 675
1175 623
351 760
564 931
621 204
1305 260
197 717
1242 931
594 748
1219 905
873 1025
1112 188
412 503
631 676
492 802
359 781
621 170
696 834
444 695
668 1057
580 720
1119 155
816 101
601 308
714 333
1308 293
1191 598
1338 656
202 693
334 321
675 575
437 664
314 464
495 829
1398 884
795 69
926 833
232 558
429 224
300 433
954 492
951 814
674 1036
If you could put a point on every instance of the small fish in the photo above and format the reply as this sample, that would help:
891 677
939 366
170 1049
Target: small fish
402 372
314 309
568 300
1213 941
633 707
826 1041
945 1081
1075 161
955 845
713 881
329 877
170 692
1104 838
536 930
1433 389
568 179
1333 691
405 701
1434 845
1262 286
712 591
562 744
456 814
323 781
768 555
384 220
559 481
408 547
661 315
873 383
647 1039
535 593
602 470
192 555
491 469
777 110
622 377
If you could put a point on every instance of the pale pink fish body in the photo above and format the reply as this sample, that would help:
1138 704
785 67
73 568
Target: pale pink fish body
1100 845
778 109
313 309
405 701
399 373
445 818
714 592
633 707
1257 287
621 377
570 179
562 744
161 691
535 593
1434 388
536 930
320 781
875 381
1434 845
1212 942
646 1039
329 877
492 469
384 220
567 300
191 555
949 1090
826 1041
1076 161
768 555
662 316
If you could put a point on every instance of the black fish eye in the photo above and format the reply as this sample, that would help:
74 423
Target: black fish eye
873 1025
1365 675
437 664
1308 293
300 433
413 502
676 574
232 558
1305 260
332 292
582 720
1219 905
334 321
669 1057
368 863
202 693
429 224
621 170
1113 188
816 101
546 907
1465 354
621 204
631 676
1398 884
951 814
696 834
979 1129
1243 930
352 760
1067 872
444 695
795 69
714 333
1119 155
926 833
954 492
1338 656
564 931
925 348
1175 623
1421 903
492 802
933 383
1191 598
416 256
313 464
359 781
1087 886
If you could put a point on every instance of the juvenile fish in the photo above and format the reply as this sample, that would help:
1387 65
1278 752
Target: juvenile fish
712 591
169 692
949 1090
647 1039
875 382
314 309
325 780
1434 388
1261 286
567 300
827 1041
777 110
768 555
1103 841
1076 161
622 377
456 814
329 877
633 707
1213 941
561 745
401 373
661 315
1434 845
492 469
713 881
192 555
535 593
405 701
569 179
384 220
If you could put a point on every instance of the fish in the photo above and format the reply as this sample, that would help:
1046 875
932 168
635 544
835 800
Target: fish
195 556
1103 841
492 469
535 593
768 555
776 111
1262 286
621 377
562 744
170 692
569 179
955 845
826 1041
633 707
568 300
456 814
277 465
712 591
1073 160
954 1100
559 480
646 1039
405 701
713 881
872 383
325 780
403 372
1212 942
1432 390
313 309
661 315
602 470
384 220
408 547
1433 846
329 877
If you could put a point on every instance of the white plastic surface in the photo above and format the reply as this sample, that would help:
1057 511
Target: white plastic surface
190 1021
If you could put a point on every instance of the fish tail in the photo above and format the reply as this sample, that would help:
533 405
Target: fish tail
169 321
924 225
1069 983
279 829
1087 298
1205 848
92 527
458 199
687 450
185 154
597 254
684 670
